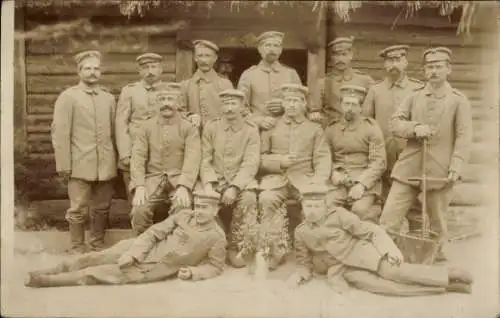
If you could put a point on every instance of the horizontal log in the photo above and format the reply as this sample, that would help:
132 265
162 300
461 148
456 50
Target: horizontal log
38 129
111 44
58 83
112 63
469 194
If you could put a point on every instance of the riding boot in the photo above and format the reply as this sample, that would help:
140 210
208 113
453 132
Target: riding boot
98 222
77 237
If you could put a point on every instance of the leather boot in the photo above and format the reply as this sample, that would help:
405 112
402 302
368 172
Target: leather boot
77 237
459 275
59 268
456 287
98 223
57 280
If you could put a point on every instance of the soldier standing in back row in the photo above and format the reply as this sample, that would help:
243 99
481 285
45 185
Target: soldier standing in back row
201 91
82 136
342 73
136 105
381 102
442 115
261 83
358 158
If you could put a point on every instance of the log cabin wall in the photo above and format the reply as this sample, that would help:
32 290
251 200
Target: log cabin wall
471 73
49 69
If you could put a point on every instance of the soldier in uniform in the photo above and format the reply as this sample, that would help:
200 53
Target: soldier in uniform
381 103
83 141
136 105
201 91
293 154
358 158
230 160
261 83
189 244
166 157
341 73
337 243
442 115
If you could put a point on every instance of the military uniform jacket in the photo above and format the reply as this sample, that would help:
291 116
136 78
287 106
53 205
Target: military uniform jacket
201 94
166 146
449 115
302 138
339 238
83 133
358 149
329 89
384 97
230 154
261 84
136 104
179 241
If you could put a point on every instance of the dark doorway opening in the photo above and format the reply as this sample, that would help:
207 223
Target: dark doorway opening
242 58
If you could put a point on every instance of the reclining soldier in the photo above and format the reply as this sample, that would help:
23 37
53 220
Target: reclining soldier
337 243
189 244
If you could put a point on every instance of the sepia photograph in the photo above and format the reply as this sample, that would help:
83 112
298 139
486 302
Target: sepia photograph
241 159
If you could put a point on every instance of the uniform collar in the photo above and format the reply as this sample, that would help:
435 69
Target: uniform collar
440 93
275 67
236 126
208 77
339 76
297 120
88 90
149 87
401 83
168 121
345 125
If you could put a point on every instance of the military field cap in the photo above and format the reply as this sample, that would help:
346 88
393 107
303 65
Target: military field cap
294 89
80 57
207 44
341 44
168 89
205 197
270 35
148 58
437 54
314 192
230 94
394 51
353 91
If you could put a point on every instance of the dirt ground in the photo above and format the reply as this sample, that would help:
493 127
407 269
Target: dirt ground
236 294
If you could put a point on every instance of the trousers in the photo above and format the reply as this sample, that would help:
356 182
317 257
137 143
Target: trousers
367 208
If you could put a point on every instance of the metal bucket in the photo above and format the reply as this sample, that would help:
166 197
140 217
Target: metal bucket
415 249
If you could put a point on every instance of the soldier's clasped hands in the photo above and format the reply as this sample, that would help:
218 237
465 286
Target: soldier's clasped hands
181 197
125 260
195 120
229 196
315 116
357 191
139 196
423 131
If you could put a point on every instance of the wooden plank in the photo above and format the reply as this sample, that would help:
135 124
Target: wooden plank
162 45
38 129
114 63
119 43
20 109
57 83
184 64
469 194
475 173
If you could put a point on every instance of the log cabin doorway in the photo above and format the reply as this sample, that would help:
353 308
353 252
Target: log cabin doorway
242 58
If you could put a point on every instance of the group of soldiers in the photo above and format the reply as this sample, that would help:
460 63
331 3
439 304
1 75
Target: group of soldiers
204 146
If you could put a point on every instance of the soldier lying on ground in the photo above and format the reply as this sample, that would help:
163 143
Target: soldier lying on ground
337 243
189 243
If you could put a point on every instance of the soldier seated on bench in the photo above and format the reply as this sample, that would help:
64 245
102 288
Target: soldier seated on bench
189 244
337 243
358 158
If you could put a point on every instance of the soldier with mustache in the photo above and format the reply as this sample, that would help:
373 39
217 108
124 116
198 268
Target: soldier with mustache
381 102
200 93
261 83
136 105
83 140
442 115
342 73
